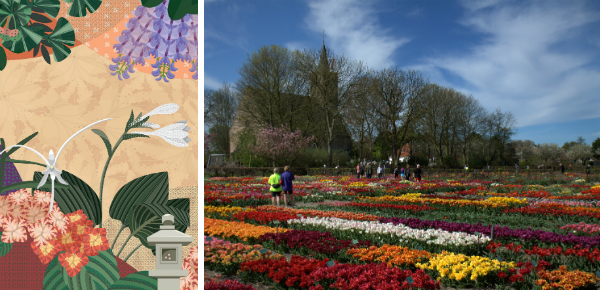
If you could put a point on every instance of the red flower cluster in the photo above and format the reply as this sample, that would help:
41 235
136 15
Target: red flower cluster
293 273
227 285
393 206
314 274
263 217
590 255
80 241
518 274
493 246
556 210
370 276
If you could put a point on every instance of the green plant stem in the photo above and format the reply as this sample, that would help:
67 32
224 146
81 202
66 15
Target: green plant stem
117 237
112 153
127 258
124 244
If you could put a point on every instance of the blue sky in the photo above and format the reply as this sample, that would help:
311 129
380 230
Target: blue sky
538 59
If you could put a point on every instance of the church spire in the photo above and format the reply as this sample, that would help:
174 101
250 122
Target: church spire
323 62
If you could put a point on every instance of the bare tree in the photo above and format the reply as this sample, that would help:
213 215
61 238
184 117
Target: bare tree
272 90
524 148
219 112
358 115
579 151
331 86
396 97
549 151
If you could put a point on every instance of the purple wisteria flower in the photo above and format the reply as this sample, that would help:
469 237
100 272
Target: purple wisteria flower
151 34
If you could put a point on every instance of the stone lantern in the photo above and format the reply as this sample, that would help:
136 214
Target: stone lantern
169 256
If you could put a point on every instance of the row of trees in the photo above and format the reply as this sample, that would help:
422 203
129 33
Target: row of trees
325 95
547 153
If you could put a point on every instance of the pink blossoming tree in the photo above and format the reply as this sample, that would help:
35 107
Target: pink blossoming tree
280 145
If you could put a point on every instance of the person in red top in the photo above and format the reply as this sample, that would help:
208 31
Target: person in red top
358 170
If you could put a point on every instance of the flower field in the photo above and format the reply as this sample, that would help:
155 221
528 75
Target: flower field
509 232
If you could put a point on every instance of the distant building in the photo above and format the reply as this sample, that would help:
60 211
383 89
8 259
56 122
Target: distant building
342 138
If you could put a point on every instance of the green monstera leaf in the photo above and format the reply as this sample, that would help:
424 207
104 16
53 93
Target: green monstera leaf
179 8
146 219
78 7
3 59
16 13
136 281
31 37
62 36
152 188
50 7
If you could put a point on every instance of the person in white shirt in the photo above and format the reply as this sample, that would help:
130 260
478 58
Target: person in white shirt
379 171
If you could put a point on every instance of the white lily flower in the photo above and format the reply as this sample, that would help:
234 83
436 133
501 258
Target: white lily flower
151 125
51 169
175 134
163 110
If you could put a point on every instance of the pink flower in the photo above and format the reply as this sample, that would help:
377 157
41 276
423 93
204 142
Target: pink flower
42 197
42 233
36 212
14 231
20 196
6 207
58 220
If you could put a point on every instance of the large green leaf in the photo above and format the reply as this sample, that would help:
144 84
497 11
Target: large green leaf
50 7
32 35
4 247
104 139
151 3
33 184
22 142
62 36
99 274
79 195
78 7
18 17
152 188
3 59
180 203
179 8
136 281
146 219
53 278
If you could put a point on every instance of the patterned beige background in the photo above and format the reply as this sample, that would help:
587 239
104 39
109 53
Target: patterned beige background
59 99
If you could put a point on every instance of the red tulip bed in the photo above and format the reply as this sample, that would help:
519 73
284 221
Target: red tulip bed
392 234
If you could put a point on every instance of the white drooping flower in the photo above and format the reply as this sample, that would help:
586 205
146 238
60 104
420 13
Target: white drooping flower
175 134
51 169
150 125
163 110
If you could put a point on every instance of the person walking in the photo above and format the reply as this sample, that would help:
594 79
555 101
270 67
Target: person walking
418 173
516 168
369 170
407 172
396 173
562 169
379 171
274 181
588 169
401 172
287 187
358 168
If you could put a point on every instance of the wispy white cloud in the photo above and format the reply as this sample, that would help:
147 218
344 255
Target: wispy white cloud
352 28
211 83
295 45
518 65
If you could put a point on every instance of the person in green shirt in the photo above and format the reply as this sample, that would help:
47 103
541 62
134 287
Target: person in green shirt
275 186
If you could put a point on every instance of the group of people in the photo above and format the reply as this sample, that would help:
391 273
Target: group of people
404 173
282 183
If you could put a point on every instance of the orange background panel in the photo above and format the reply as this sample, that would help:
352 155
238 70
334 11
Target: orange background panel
29 54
